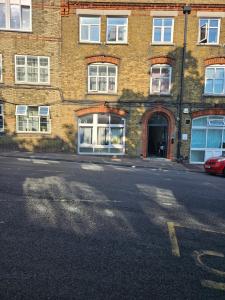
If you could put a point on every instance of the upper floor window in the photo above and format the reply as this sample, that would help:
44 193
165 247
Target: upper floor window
215 80
90 29
102 78
1 118
15 15
209 30
117 29
162 30
32 69
33 119
0 67
160 79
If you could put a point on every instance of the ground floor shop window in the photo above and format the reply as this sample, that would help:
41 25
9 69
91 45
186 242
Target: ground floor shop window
1 118
33 119
207 138
101 134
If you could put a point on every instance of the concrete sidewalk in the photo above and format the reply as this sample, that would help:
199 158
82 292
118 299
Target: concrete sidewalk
152 163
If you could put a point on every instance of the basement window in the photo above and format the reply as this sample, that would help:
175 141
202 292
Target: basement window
15 15
33 119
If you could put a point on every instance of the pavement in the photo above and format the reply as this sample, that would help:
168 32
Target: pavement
152 163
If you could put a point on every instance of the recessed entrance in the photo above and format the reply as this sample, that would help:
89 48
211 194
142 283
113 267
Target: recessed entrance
157 135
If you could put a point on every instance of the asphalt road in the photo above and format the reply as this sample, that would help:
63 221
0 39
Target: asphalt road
84 231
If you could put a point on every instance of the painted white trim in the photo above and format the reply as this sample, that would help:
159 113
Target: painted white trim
117 33
89 26
100 12
167 13
214 67
199 33
210 14
162 31
170 79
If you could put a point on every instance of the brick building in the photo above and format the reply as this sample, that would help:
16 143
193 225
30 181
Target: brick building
104 77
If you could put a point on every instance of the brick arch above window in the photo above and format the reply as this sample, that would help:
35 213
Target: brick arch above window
215 61
158 60
101 109
208 112
102 59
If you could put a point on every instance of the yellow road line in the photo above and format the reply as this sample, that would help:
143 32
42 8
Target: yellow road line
173 239
213 285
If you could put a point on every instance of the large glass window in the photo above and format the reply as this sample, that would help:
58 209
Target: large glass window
90 29
32 69
1 118
102 133
162 30
117 30
33 119
209 30
160 79
15 15
215 80
207 138
102 78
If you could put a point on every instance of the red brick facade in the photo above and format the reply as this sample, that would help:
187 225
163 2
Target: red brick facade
102 59
161 60
215 61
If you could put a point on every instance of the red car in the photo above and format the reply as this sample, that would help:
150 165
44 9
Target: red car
215 165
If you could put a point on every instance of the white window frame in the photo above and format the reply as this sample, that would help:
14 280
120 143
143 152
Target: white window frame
95 125
170 79
38 117
162 31
1 69
207 128
89 25
25 66
2 115
207 31
117 30
215 67
20 3
97 76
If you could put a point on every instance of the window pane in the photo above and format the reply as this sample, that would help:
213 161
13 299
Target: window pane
168 22
167 35
112 71
213 35
94 33
155 72
93 83
103 136
117 136
25 17
43 61
32 74
155 85
197 156
90 20
21 109
209 86
198 138
43 110
122 33
157 34
112 84
84 33
165 85
1 123
157 22
102 70
103 119
22 123
33 124
214 138
92 70
86 119
203 22
2 15
44 124
20 60
210 72
116 120
219 73
20 73
117 21
213 22
165 72
15 16
43 75
111 36
102 84
218 86
200 122
86 135
32 61
32 111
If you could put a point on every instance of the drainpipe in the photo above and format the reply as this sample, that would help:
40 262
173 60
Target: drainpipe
186 12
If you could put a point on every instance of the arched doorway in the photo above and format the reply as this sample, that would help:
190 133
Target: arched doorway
164 119
157 135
